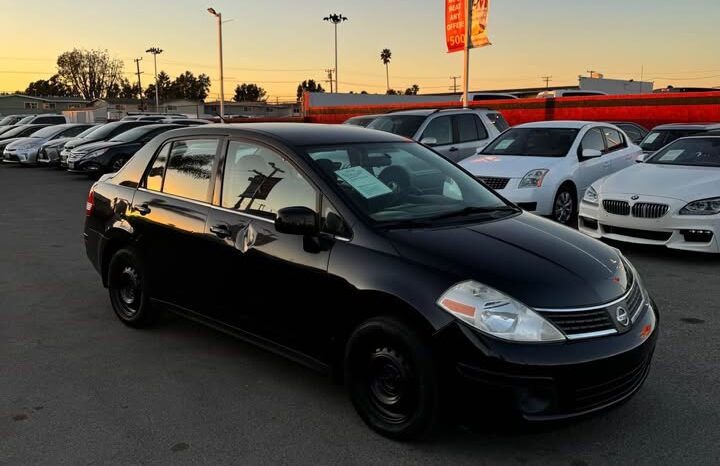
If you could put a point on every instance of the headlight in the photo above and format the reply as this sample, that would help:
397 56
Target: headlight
702 207
497 314
534 178
591 196
94 153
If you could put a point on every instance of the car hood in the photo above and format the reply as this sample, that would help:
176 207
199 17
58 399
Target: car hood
59 142
672 181
534 260
6 142
76 142
25 143
508 166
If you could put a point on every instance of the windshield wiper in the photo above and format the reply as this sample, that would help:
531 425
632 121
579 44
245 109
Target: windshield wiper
405 224
474 210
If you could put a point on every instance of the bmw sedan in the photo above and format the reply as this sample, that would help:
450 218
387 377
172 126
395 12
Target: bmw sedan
545 167
671 200
373 258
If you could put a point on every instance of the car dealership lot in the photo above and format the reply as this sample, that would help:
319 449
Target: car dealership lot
80 388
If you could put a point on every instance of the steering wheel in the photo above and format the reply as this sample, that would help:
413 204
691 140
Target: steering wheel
397 178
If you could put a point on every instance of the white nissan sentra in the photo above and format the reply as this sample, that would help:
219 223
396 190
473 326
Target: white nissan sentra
672 199
545 167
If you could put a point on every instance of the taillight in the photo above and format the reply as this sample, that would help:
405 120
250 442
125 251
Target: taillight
90 204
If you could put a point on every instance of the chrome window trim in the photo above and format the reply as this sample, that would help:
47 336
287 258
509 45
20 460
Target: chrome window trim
591 308
174 196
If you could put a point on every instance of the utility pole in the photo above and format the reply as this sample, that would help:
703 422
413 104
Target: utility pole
547 80
336 18
140 92
330 78
591 72
454 85
155 52
218 15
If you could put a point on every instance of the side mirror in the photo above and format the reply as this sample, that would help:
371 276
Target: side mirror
642 158
429 141
297 221
591 153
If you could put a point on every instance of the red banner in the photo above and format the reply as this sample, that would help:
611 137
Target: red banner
455 25
455 17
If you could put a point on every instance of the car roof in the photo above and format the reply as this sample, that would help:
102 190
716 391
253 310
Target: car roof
298 134
430 111
681 126
570 124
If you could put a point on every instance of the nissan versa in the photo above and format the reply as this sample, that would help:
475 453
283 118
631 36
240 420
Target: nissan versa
372 257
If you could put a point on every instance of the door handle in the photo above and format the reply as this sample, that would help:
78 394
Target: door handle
142 209
453 149
220 230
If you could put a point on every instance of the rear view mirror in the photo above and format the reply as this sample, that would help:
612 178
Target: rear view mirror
297 221
591 153
428 141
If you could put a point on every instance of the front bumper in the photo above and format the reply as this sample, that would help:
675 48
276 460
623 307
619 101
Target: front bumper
23 156
687 232
548 381
87 165
48 156
535 200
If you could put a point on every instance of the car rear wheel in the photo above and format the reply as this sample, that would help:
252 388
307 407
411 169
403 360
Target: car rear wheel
564 206
391 378
127 285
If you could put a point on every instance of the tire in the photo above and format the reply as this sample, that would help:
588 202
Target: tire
391 378
117 164
127 285
564 206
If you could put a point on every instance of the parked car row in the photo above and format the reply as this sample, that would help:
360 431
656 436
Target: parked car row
561 168
82 147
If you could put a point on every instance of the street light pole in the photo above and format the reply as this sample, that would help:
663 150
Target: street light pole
220 51
155 51
336 18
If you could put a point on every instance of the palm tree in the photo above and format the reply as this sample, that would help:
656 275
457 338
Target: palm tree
385 56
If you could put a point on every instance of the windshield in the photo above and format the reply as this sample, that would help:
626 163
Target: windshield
88 131
658 139
20 131
134 134
404 184
48 132
25 120
9 120
533 142
404 125
103 131
698 152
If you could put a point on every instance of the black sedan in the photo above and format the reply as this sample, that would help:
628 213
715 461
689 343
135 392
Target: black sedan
372 257
108 156
102 133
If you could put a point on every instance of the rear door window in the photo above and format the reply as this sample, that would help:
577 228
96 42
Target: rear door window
593 139
439 128
467 129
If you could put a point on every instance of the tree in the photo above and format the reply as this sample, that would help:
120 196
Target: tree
248 92
89 72
49 87
124 90
385 56
412 90
187 86
308 86
164 88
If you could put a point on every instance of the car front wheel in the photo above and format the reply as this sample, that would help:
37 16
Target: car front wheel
127 284
391 378
564 206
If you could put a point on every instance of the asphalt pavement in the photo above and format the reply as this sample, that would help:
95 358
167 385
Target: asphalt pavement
79 388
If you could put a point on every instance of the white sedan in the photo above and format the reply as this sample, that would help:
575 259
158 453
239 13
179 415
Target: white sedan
546 167
672 199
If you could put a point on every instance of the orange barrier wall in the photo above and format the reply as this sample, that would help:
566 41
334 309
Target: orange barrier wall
648 110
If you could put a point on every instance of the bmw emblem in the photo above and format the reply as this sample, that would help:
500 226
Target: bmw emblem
622 316
635 197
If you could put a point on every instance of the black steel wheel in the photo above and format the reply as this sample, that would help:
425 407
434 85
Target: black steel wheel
128 289
391 378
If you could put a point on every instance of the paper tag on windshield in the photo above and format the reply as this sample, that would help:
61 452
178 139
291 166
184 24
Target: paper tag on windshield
672 154
651 138
504 144
363 182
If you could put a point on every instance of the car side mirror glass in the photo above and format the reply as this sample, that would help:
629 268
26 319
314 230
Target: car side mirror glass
642 158
591 153
297 221
429 141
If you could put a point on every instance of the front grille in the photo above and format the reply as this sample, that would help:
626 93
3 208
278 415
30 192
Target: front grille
649 210
579 322
642 234
493 182
616 207
594 396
